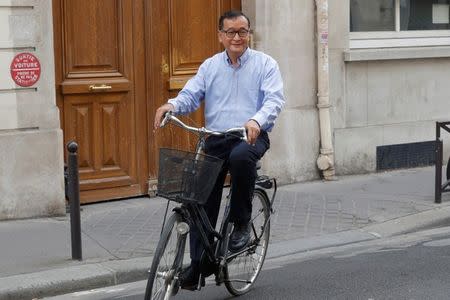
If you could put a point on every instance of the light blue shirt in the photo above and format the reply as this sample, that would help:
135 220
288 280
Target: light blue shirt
234 95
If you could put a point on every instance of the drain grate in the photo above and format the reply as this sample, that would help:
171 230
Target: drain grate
408 155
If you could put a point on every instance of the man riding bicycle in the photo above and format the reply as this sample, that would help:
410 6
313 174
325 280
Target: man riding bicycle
240 87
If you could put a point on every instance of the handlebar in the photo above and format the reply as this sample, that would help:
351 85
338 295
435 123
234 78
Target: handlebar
169 117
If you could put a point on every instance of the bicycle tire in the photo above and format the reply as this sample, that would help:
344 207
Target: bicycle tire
167 262
238 279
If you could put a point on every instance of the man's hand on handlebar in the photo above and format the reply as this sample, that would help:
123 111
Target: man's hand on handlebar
159 115
253 130
250 131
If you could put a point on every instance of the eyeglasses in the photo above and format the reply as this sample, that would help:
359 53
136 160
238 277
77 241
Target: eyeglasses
232 33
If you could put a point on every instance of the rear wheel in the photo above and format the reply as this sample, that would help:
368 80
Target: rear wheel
241 272
167 262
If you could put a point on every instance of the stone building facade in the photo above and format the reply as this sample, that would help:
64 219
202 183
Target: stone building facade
31 155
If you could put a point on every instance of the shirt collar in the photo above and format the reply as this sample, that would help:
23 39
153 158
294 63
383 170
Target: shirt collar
242 59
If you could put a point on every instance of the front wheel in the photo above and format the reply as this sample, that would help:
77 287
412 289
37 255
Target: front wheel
162 279
241 271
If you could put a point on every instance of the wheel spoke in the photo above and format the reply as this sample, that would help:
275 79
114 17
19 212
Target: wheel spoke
162 275
242 270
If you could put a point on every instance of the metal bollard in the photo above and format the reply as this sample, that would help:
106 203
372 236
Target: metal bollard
438 174
74 200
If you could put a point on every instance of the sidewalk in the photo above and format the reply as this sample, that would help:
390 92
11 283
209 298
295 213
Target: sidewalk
119 237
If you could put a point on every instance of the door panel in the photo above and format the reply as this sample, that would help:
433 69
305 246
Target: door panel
100 125
100 96
192 34
94 30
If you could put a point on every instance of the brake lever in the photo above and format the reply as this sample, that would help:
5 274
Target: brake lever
166 119
244 135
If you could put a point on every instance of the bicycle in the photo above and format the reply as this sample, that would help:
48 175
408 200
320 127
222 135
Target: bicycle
181 179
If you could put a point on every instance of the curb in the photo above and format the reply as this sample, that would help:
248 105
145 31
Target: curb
412 222
72 279
317 242
400 225
96 275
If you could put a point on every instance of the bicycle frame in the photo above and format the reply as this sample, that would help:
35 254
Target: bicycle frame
197 214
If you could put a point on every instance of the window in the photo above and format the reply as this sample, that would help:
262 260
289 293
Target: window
399 23
372 15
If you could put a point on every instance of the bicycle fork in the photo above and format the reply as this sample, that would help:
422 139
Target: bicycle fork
172 280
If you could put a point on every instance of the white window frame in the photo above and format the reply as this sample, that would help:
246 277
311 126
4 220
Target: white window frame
398 38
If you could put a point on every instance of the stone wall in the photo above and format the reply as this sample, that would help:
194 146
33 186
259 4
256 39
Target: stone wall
286 31
380 97
31 146
383 96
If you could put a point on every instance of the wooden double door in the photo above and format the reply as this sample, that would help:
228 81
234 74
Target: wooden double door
116 61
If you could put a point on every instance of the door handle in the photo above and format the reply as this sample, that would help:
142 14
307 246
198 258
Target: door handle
102 87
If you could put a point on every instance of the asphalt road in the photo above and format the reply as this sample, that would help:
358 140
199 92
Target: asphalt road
411 266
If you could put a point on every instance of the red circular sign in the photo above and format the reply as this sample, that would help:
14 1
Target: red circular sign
25 69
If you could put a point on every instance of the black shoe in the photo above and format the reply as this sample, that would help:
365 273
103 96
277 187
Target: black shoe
189 278
239 237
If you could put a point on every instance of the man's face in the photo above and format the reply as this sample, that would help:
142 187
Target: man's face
237 44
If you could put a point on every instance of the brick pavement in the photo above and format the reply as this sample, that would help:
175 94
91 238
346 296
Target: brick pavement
130 228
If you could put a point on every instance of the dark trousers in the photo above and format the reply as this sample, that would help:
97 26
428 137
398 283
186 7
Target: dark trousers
240 160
